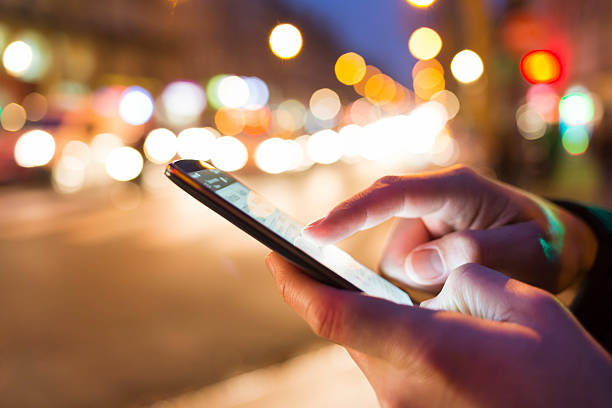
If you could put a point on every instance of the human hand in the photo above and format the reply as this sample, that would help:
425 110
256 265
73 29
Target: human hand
511 345
456 216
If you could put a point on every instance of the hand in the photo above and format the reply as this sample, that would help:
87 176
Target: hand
456 216
517 346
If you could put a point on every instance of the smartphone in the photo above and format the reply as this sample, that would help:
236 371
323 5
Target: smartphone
253 214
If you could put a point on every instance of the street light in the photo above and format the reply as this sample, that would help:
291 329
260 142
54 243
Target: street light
285 41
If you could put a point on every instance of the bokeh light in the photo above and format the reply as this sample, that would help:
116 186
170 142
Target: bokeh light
425 43
68 175
370 72
445 150
290 115
13 117
183 102
380 89
196 143
530 123
325 147
449 100
230 121
257 122
541 66
575 140
351 136
212 88
41 56
136 105
229 154
544 99
34 148
285 41
103 144
258 93
77 150
363 112
467 66
105 101
428 82
124 163
421 3
423 125
17 58
350 68
35 105
576 108
274 155
233 92
160 145
325 104
424 64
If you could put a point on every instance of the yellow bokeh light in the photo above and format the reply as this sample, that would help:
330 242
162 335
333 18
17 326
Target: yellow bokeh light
428 82
13 117
421 3
350 68
467 66
285 41
421 65
425 43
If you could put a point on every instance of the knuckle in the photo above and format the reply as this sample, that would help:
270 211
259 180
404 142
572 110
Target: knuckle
471 248
463 171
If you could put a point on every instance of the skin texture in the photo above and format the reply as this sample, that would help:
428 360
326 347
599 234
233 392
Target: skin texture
455 216
485 340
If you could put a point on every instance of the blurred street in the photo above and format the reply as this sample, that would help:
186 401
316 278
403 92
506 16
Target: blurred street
117 289
104 306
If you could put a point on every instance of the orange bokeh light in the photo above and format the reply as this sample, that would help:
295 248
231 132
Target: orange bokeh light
541 67
370 72
229 121
257 121
380 89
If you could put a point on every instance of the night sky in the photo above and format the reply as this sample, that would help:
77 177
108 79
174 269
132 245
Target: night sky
377 29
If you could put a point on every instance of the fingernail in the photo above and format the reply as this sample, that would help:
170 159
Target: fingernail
426 266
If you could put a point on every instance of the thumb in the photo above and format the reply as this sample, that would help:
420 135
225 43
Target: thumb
478 291
429 264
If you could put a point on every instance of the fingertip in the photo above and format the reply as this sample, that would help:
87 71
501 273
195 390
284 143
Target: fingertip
269 261
314 224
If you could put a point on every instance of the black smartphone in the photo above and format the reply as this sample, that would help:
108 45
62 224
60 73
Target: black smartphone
253 214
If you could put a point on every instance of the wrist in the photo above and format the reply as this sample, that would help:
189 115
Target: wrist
579 248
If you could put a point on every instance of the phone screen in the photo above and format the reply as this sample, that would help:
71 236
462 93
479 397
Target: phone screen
262 211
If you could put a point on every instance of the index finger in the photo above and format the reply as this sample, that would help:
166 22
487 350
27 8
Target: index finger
394 196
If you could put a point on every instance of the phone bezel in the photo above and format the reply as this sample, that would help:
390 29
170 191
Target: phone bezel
178 171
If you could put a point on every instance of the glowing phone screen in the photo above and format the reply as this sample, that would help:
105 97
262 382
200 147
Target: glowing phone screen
258 208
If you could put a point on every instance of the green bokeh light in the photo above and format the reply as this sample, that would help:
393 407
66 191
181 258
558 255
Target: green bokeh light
211 91
575 140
